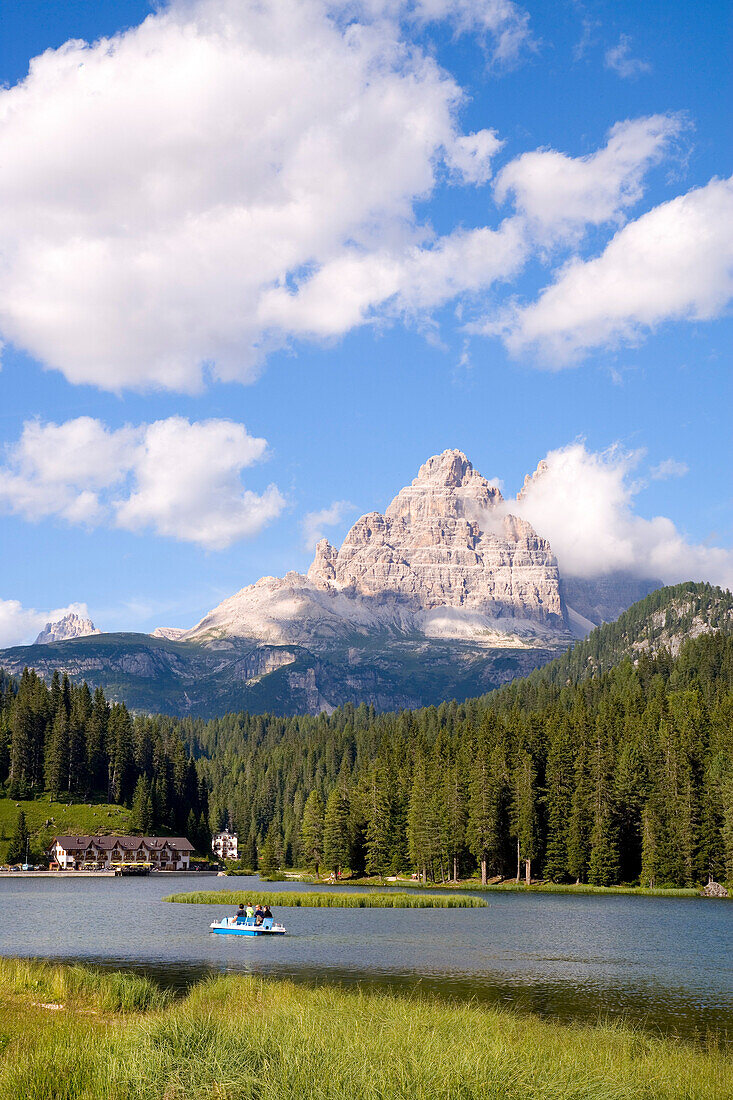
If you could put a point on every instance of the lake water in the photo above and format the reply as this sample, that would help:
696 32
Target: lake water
664 963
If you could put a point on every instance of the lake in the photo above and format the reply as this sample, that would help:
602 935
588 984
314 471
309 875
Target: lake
666 964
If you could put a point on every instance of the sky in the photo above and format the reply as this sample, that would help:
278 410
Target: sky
260 260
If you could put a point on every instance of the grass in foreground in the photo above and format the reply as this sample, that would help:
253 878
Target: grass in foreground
327 900
238 1038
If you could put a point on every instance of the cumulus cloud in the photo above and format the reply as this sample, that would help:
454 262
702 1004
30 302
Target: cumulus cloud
558 194
673 263
20 625
314 522
173 477
620 60
180 199
584 503
153 186
352 288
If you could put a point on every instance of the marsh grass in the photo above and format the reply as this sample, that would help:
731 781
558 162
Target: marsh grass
582 890
107 991
242 1038
328 900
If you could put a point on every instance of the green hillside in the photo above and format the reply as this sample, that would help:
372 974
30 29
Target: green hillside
665 619
46 819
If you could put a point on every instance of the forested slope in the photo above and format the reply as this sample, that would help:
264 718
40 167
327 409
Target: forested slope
67 745
600 768
624 776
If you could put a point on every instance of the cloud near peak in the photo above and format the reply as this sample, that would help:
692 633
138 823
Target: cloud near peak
583 502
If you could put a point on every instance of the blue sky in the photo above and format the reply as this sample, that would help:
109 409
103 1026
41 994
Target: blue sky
329 234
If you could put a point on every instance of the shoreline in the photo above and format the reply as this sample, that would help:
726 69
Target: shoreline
79 1031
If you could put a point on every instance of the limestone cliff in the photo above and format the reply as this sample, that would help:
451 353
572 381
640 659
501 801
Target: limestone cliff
443 561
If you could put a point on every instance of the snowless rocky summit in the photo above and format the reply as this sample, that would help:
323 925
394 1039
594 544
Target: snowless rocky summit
71 626
446 560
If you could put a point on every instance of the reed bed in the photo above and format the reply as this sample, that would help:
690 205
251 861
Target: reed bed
237 1038
327 899
109 991
597 891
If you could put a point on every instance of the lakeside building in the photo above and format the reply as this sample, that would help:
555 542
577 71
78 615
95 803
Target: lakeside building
224 845
163 853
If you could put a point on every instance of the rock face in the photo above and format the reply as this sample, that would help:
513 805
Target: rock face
71 626
170 633
444 561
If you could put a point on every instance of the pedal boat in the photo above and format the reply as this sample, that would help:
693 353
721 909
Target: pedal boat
230 926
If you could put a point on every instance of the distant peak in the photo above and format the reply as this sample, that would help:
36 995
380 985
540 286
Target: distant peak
62 630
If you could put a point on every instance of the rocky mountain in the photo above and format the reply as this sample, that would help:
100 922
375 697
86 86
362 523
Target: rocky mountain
447 594
70 626
445 561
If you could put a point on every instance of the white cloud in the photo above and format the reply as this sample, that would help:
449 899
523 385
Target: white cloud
314 522
471 155
670 467
504 24
20 625
178 479
349 290
155 185
619 59
583 502
673 263
558 194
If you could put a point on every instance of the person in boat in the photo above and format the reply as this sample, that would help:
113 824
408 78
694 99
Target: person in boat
267 915
250 913
259 914
240 915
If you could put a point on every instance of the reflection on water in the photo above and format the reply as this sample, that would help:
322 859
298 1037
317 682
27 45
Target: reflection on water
663 963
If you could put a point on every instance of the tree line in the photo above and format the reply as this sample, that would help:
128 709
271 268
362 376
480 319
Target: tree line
62 741
574 774
624 776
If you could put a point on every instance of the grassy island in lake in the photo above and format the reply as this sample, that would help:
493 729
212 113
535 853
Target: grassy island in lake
72 1033
327 899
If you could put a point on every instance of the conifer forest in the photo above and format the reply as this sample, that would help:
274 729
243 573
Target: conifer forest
575 774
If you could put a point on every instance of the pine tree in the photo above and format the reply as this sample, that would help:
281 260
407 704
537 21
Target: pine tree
486 828
525 813
336 845
311 831
141 816
19 843
270 856
57 755
378 828
453 817
559 793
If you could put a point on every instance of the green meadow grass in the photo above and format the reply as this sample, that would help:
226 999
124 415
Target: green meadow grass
600 891
244 1038
108 991
74 817
327 900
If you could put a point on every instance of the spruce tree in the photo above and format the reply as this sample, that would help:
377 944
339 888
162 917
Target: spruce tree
57 755
270 855
311 831
336 845
18 848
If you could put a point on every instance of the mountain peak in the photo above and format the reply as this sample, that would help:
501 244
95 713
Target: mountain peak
62 630
449 468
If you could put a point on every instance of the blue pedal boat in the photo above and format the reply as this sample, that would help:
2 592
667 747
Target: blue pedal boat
230 926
